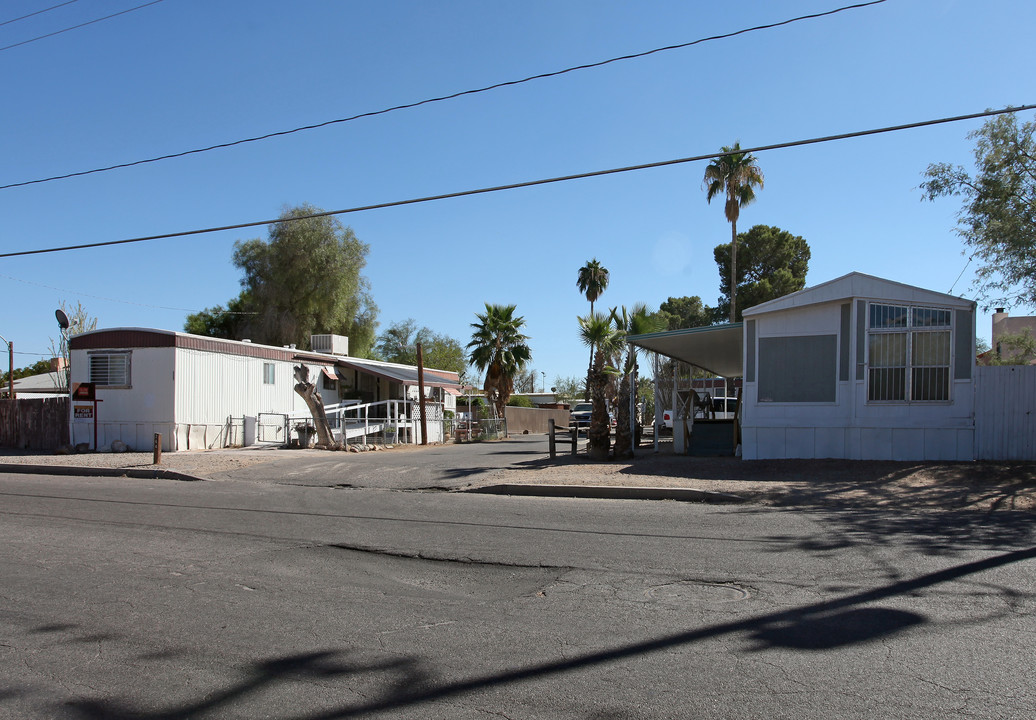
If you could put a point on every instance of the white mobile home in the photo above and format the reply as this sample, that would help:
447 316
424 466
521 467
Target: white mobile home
855 368
202 392
860 368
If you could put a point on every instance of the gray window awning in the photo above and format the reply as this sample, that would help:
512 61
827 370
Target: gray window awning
717 348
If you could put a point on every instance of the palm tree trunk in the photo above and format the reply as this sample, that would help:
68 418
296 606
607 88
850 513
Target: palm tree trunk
733 271
590 366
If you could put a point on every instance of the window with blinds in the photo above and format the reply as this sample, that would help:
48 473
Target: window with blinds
908 353
110 369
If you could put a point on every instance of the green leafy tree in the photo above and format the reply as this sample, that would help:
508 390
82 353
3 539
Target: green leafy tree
686 312
304 279
1015 349
519 401
399 343
592 281
772 263
637 321
596 331
998 217
567 389
230 322
500 349
734 175
40 367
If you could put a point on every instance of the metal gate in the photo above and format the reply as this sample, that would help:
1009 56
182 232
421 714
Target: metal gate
1005 412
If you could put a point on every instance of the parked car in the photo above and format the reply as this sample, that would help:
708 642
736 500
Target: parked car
580 415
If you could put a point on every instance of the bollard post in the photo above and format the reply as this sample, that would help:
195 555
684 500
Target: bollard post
575 439
550 435
157 460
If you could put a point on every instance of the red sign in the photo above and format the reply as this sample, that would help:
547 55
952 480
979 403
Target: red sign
83 391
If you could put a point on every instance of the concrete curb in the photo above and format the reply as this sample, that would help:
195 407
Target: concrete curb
610 492
138 473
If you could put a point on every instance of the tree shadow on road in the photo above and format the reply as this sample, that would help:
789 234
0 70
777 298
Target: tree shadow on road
844 621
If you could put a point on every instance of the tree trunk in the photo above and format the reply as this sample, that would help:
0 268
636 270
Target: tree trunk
733 271
623 439
308 391
599 434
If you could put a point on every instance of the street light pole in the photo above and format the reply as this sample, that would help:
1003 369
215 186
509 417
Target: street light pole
10 367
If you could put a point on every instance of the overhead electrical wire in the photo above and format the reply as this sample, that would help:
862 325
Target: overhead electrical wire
529 183
116 300
80 25
441 98
38 12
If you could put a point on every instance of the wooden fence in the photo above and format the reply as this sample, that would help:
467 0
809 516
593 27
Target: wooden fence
1005 412
34 424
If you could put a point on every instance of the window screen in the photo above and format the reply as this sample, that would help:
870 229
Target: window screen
908 353
798 369
269 373
110 369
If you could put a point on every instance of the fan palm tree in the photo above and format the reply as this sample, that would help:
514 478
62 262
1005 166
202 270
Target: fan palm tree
735 175
597 332
499 348
592 281
637 321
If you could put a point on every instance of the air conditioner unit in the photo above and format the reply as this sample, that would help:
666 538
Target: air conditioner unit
329 344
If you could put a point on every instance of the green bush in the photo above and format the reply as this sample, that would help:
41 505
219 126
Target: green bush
519 401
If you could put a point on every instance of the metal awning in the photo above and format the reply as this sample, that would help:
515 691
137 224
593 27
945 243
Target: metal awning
404 374
717 348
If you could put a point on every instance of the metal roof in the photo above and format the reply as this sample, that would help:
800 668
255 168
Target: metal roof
717 348
404 374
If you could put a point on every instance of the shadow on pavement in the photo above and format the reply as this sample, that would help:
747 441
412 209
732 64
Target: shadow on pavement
820 626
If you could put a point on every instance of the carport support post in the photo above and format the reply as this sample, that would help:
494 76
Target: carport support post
420 394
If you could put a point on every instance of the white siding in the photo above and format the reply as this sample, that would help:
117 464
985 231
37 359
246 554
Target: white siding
852 428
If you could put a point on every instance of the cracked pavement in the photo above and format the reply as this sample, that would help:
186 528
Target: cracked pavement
154 599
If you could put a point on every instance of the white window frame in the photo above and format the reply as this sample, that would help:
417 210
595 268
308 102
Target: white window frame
104 377
911 332
269 373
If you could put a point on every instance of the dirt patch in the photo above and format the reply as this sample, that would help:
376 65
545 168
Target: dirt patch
908 486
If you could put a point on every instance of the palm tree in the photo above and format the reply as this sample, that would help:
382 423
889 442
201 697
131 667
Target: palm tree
735 174
591 281
637 321
597 332
499 348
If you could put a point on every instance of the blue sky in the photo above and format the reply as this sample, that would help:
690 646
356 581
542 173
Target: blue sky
179 75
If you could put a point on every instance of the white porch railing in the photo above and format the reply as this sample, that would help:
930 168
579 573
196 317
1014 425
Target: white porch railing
397 421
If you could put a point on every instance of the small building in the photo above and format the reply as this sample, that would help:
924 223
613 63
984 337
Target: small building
202 392
857 368
1004 325
860 368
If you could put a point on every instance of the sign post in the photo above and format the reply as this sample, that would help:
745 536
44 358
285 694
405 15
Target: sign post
86 391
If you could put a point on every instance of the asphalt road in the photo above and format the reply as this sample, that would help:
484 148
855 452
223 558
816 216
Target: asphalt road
434 467
157 599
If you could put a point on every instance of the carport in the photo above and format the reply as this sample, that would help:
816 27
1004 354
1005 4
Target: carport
718 349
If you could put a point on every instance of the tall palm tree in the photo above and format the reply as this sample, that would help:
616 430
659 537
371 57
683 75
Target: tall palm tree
637 321
735 175
597 332
592 281
499 348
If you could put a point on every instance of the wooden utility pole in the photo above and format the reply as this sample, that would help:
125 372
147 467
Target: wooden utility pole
420 393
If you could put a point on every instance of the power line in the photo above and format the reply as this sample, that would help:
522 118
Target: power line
76 27
38 12
115 300
531 183
441 98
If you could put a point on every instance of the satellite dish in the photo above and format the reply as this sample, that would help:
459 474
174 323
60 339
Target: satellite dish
62 318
